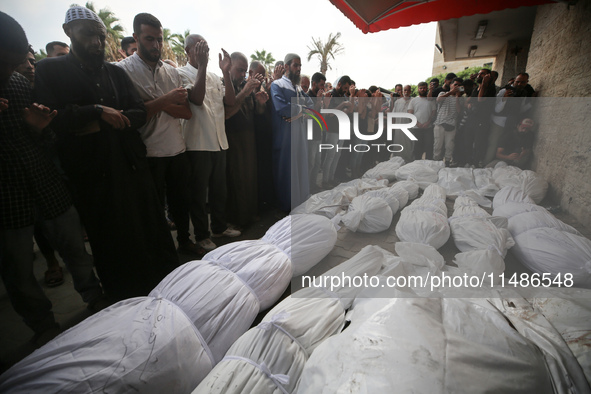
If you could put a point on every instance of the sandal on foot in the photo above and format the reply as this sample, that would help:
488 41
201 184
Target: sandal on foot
54 277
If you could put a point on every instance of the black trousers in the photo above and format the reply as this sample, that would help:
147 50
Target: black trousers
424 143
208 183
171 178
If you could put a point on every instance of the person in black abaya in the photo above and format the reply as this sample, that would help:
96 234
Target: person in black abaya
99 112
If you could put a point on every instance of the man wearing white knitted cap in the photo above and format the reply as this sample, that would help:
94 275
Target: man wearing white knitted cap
102 154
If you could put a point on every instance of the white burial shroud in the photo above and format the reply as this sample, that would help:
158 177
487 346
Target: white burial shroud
144 345
270 357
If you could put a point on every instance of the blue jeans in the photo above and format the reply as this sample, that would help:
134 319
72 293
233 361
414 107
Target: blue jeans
16 266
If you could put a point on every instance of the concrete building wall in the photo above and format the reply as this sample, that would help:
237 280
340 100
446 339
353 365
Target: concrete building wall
508 63
558 64
456 66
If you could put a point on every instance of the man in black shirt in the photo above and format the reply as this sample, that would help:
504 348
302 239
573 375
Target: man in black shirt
472 139
515 146
32 192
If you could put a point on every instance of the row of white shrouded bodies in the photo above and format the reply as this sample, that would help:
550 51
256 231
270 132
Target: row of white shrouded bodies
543 243
270 357
171 340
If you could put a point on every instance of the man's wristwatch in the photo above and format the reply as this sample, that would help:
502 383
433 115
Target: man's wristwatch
98 109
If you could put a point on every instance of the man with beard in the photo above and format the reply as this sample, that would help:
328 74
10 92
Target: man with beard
241 165
264 143
128 47
515 146
32 193
335 99
290 156
401 106
205 136
101 152
474 131
511 105
316 91
425 110
160 87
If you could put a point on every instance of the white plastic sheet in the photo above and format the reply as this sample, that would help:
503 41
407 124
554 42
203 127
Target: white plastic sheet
426 346
563 368
569 311
368 214
306 239
143 345
385 170
483 178
456 180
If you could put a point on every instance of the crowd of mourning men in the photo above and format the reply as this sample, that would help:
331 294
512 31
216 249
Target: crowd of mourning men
107 150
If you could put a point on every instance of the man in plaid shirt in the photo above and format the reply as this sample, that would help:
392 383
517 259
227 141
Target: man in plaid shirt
31 191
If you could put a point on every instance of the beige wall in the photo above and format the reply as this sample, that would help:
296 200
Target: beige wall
559 62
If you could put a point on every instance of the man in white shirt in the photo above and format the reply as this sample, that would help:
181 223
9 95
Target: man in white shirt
205 138
424 109
401 105
160 86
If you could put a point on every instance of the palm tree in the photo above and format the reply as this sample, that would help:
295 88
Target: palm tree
40 55
167 52
324 51
114 33
177 44
266 58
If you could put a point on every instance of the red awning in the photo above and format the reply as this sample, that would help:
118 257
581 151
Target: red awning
376 15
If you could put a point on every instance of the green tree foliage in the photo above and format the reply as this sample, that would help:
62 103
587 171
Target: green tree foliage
266 58
40 55
177 44
114 31
325 51
461 74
